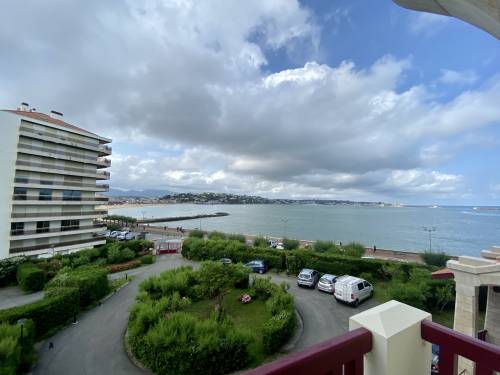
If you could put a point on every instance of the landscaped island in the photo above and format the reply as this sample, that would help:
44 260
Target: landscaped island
208 321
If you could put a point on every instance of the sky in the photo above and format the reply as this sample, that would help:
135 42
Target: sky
336 99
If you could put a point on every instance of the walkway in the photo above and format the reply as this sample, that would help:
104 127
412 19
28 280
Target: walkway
11 296
95 345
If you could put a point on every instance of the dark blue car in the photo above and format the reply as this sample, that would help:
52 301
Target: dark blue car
257 266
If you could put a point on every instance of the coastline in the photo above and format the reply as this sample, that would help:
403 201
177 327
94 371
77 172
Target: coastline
131 205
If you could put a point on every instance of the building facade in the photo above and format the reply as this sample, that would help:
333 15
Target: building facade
49 194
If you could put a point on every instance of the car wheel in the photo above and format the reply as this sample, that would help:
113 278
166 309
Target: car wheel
371 294
356 303
261 271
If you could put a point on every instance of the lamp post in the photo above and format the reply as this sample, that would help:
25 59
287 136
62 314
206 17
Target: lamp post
430 230
21 323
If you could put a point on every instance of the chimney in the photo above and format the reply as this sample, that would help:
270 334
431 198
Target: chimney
25 107
56 115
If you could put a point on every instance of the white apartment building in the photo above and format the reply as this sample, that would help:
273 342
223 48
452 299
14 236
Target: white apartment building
49 170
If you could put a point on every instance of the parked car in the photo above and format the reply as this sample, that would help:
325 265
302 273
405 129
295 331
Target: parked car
327 283
122 235
114 233
308 278
279 246
130 236
107 234
257 266
225 261
352 289
435 360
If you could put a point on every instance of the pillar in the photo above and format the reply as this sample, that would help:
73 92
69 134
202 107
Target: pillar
398 347
492 320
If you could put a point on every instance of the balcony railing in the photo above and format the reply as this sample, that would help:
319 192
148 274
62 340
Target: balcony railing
452 343
57 167
23 232
91 159
105 149
58 137
22 180
23 197
22 249
103 175
104 162
341 355
17 215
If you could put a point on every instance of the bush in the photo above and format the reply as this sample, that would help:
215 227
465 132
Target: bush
197 233
127 254
114 253
15 358
237 237
91 282
57 307
139 246
354 249
147 259
326 247
8 269
278 330
216 236
409 293
30 277
289 244
260 242
435 259
112 268
113 227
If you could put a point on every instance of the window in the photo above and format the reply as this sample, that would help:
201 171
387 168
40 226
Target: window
16 229
21 180
42 226
366 284
72 195
20 193
360 286
45 182
45 195
70 225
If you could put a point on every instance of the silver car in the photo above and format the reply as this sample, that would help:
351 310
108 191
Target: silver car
327 283
308 278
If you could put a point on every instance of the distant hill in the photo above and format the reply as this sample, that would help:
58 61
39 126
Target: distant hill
146 193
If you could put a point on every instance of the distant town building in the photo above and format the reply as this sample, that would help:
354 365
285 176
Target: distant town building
49 193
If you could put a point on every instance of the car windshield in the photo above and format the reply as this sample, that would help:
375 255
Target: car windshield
326 280
305 276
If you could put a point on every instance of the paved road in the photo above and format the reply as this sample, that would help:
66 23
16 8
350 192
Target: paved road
12 296
95 345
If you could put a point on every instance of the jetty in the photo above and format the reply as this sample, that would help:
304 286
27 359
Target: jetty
180 218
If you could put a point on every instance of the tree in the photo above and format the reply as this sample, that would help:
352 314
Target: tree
444 296
289 244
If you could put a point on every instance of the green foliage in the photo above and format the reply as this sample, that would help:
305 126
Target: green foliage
435 259
14 357
278 330
237 237
216 236
196 233
139 246
113 227
127 254
260 242
92 283
290 244
147 259
121 219
354 249
55 309
326 247
30 277
114 253
8 269
179 280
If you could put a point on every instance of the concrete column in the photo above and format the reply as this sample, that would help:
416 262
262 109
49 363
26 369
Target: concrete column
398 347
466 316
492 320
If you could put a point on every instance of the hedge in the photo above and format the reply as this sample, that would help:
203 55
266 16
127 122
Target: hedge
147 259
8 269
57 307
30 277
92 283
16 356
112 268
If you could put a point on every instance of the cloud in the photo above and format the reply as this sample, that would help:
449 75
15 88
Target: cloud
465 77
427 24
171 74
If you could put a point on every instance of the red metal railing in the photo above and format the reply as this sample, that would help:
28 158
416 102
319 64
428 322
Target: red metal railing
342 355
452 343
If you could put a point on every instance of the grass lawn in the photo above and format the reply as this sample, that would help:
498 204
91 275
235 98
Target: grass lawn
250 317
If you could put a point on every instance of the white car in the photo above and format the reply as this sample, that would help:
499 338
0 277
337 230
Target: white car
114 233
130 236
123 235
327 283
352 290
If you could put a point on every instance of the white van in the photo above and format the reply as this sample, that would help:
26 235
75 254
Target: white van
352 289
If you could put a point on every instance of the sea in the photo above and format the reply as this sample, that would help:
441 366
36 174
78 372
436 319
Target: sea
454 230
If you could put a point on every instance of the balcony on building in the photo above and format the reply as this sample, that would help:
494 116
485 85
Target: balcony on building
102 175
61 246
59 185
36 216
23 199
104 150
103 163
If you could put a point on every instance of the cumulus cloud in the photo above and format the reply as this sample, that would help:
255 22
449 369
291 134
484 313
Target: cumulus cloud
465 77
194 74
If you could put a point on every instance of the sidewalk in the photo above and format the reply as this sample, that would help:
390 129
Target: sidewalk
12 296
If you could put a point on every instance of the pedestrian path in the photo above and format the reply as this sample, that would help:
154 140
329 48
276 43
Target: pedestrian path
12 296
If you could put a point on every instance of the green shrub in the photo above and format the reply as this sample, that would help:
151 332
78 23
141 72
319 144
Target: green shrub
92 283
237 237
354 249
127 254
51 267
435 259
278 330
147 259
409 293
115 253
178 280
57 307
8 269
15 358
30 277
326 247
216 236
138 246
113 227
260 242
196 233
290 244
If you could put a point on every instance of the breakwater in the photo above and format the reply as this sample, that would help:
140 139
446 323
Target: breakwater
180 218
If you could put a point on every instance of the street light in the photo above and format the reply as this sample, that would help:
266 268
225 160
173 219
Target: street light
21 323
430 230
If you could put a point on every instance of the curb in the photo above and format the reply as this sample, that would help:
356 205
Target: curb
131 355
114 292
290 346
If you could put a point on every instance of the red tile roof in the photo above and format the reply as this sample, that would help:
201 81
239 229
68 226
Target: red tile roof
47 118
444 273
